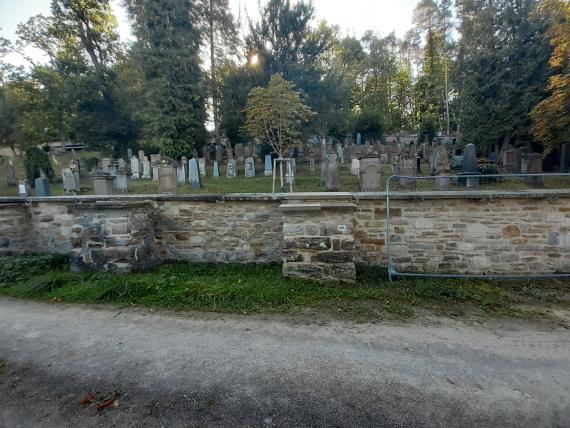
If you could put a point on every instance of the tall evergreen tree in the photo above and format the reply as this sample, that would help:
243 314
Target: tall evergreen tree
551 117
167 48
502 70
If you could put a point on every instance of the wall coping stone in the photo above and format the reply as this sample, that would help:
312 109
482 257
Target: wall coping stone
301 196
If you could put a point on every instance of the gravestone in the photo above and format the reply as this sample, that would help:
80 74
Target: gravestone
202 167
247 151
369 175
408 168
69 182
332 174
216 173
23 189
103 184
121 182
181 172
294 167
147 172
249 167
42 187
535 167
194 174
238 149
167 182
565 158
129 154
311 165
10 174
268 170
469 166
510 163
121 164
206 155
354 167
340 153
105 165
195 154
141 155
231 171
358 139
229 153
155 159
219 153
135 167
155 172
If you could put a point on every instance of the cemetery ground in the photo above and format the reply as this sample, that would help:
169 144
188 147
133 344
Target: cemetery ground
304 181
412 353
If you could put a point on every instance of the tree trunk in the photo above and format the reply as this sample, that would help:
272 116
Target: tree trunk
213 75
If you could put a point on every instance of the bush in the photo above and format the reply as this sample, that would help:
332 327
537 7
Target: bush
91 163
17 268
36 161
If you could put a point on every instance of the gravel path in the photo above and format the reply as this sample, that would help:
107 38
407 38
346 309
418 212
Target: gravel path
165 369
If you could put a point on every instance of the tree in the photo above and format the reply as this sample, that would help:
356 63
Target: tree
285 41
222 41
167 49
551 117
275 114
501 72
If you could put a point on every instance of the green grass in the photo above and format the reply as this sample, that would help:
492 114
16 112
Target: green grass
255 288
305 182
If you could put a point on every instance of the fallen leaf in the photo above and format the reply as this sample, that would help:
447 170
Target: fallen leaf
108 403
88 399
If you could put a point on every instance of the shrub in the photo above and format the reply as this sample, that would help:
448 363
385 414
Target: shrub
36 161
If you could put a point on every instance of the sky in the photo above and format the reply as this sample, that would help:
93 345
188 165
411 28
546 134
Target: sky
354 17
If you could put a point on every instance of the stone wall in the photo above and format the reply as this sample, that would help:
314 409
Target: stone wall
318 235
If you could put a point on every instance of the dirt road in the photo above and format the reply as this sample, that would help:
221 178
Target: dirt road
164 369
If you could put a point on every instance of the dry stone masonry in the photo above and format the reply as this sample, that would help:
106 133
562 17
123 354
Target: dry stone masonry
318 235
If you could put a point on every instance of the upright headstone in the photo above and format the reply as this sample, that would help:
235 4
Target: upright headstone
155 172
181 173
216 172
469 166
332 174
535 167
135 167
340 153
510 163
129 154
369 175
10 174
239 152
42 187
312 165
229 152
202 167
294 167
249 167
355 167
268 170
106 165
194 174
167 182
147 172
206 155
219 153
121 181
231 171
141 155
69 182
358 139
565 158
23 188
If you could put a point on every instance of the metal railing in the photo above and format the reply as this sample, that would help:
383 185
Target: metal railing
532 181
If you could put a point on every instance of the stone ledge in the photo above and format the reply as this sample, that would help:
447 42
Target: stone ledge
315 196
